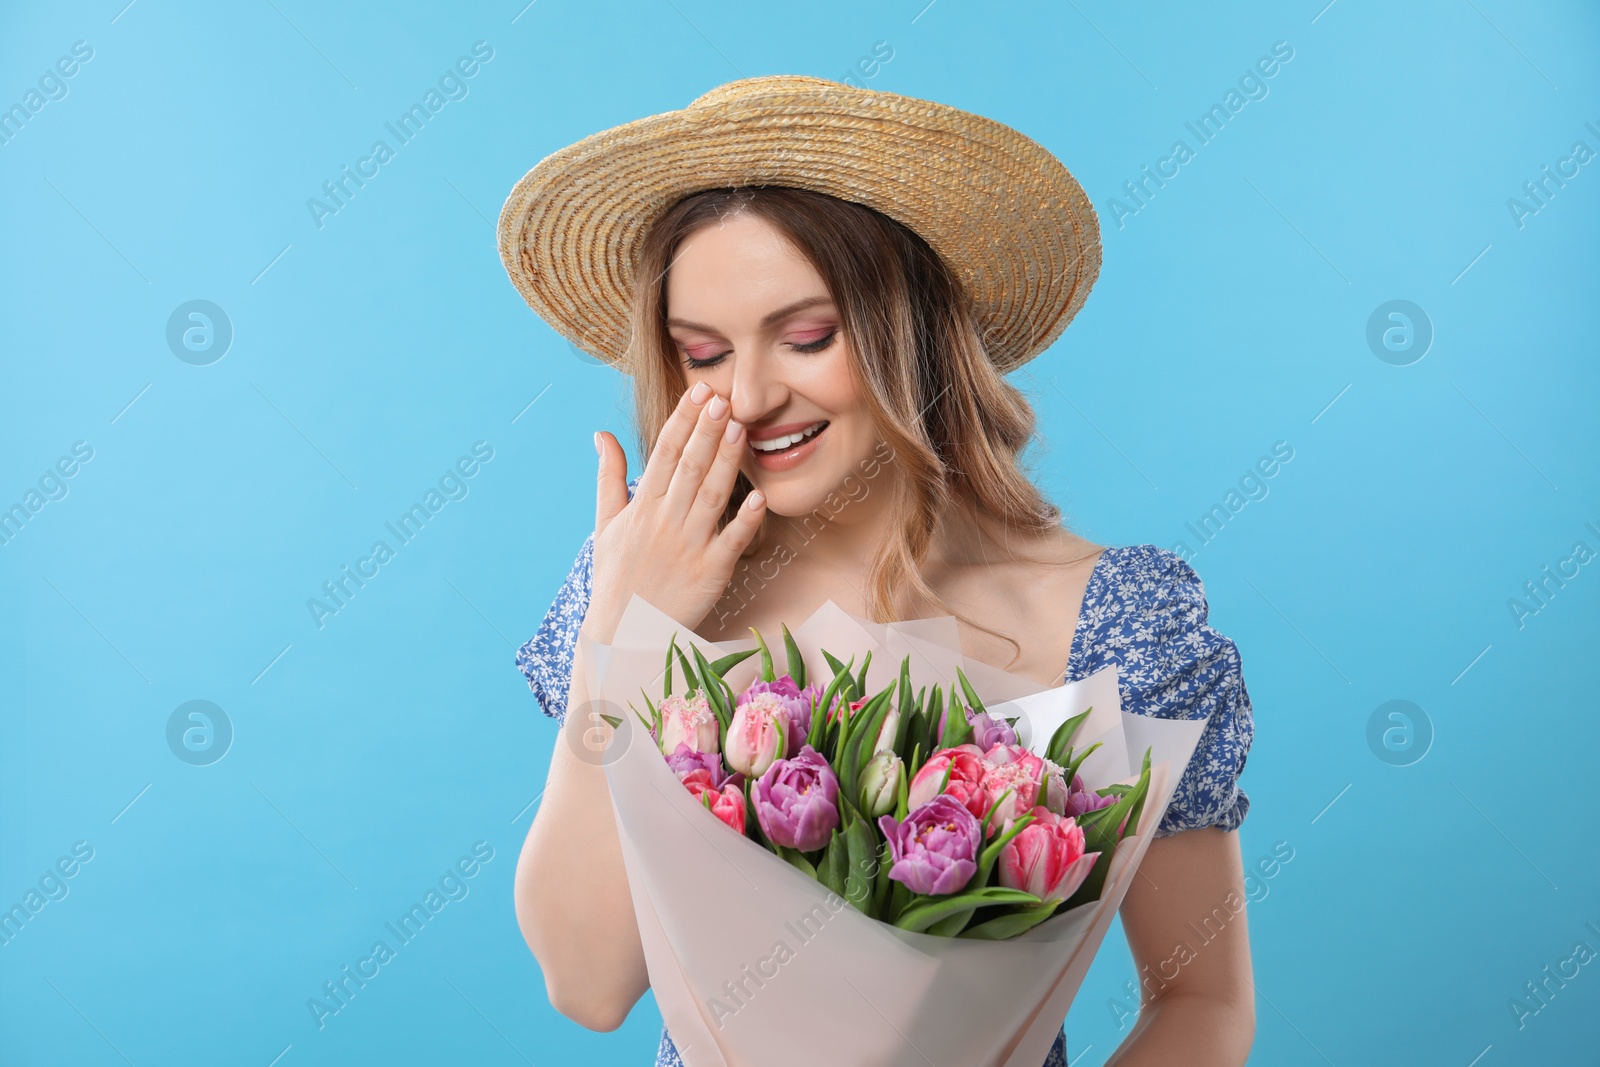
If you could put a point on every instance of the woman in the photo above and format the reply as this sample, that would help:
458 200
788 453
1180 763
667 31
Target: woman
784 342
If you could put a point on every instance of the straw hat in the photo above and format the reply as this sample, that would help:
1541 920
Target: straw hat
1003 212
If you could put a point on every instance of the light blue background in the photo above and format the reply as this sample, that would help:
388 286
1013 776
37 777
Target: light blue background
371 352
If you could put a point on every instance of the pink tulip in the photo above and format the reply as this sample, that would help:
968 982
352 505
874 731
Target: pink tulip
1047 858
1014 768
688 721
758 734
966 779
726 803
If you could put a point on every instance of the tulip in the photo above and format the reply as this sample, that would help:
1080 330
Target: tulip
687 721
797 801
887 732
1080 801
935 850
684 759
966 778
1013 768
880 783
794 700
1047 857
758 734
726 803
1053 792
987 730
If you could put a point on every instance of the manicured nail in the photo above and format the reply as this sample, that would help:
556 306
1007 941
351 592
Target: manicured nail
757 498
718 408
597 444
731 434
698 394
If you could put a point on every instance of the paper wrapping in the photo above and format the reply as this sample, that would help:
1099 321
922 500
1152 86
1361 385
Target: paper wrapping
755 964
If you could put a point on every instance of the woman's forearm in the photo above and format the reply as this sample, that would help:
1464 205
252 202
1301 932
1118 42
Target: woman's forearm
572 899
1189 1029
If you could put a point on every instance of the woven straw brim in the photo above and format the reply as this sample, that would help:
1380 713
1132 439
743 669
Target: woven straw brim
1002 211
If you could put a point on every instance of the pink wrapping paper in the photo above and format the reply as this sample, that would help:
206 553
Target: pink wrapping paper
754 963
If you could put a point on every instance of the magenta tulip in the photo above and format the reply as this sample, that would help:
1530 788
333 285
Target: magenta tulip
936 849
797 801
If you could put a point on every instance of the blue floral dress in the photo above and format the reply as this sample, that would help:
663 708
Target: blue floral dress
1144 610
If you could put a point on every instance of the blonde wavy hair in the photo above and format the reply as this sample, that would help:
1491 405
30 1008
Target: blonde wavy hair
956 427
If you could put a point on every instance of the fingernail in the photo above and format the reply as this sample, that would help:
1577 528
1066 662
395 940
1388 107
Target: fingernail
757 498
698 394
597 444
731 434
718 408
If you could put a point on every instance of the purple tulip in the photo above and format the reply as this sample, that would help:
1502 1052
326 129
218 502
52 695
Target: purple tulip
685 760
987 730
795 700
935 850
1080 801
796 801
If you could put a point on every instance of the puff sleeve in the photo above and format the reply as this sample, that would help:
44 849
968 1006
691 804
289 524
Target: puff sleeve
1171 663
546 659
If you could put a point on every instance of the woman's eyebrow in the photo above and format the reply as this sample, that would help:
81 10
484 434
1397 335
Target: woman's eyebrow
767 320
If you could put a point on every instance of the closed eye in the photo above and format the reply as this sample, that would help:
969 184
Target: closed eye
810 346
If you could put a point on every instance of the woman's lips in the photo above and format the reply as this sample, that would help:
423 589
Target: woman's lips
792 456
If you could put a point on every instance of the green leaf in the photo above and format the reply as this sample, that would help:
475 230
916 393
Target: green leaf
860 733
1061 741
991 852
861 679
1075 760
903 793
907 706
690 680
797 664
1101 834
924 911
816 736
858 883
933 709
752 825
881 882
836 666
766 657
666 684
655 717
713 689
798 859
835 860
1020 921
951 925
722 665
972 696
899 899
957 730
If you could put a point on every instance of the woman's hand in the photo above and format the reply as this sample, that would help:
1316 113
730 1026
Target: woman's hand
664 543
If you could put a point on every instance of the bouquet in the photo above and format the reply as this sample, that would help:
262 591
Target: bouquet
924 874
986 838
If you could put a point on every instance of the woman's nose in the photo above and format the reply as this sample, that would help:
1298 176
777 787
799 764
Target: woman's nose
753 391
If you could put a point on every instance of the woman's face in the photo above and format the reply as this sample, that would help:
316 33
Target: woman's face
751 318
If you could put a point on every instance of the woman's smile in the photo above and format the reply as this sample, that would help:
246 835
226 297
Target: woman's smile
783 447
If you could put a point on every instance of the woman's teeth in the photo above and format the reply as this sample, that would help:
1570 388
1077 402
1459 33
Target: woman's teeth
778 444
